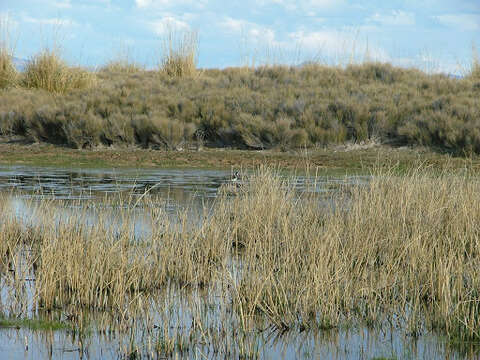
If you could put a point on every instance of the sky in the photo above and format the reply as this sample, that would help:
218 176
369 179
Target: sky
433 35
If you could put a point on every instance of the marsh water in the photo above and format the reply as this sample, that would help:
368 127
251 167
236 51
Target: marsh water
192 190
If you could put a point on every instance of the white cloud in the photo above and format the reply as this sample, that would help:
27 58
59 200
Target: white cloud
304 5
288 5
166 24
468 22
396 18
65 4
336 45
234 25
255 33
7 21
8 28
148 3
322 3
429 63
263 35
163 4
49 21
329 44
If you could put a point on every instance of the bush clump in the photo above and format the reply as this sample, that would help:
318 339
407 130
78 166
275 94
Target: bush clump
180 54
475 70
49 72
122 66
282 108
8 73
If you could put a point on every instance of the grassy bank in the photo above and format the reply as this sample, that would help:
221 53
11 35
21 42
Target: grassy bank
335 160
280 107
397 252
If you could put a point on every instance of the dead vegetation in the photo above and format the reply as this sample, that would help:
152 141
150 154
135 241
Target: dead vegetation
399 249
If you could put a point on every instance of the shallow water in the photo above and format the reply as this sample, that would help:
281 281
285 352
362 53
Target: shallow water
194 190
180 185
359 344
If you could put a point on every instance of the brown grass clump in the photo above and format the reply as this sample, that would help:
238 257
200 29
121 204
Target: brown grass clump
162 132
398 247
312 106
49 72
475 70
399 251
180 54
124 66
8 73
100 266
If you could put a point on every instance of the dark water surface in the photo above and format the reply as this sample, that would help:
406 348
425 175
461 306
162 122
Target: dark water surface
70 183
194 189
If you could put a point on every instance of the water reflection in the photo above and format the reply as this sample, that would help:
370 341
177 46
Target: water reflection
350 344
175 190
71 183
180 185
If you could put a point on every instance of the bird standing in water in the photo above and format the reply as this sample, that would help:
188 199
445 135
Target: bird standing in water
232 185
235 178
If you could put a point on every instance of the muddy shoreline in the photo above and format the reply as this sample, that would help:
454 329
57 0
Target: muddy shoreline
350 158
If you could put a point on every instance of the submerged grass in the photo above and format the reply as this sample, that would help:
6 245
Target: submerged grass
33 324
400 251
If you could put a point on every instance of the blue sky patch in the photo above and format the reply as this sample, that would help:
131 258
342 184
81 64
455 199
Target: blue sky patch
433 35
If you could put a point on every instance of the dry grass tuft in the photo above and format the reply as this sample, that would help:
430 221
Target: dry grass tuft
403 248
8 73
475 70
180 53
400 250
123 66
312 106
49 72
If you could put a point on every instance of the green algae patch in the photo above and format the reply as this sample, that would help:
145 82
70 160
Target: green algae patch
335 161
33 324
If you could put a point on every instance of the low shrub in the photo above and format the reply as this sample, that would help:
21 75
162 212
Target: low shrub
269 108
121 66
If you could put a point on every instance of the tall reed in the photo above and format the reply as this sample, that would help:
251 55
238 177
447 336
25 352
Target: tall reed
180 53
475 68
8 73
400 250
49 72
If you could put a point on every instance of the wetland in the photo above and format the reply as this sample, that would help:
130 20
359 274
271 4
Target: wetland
352 233
158 263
